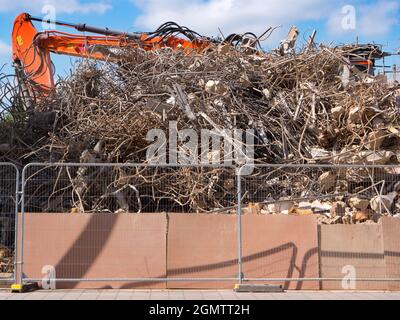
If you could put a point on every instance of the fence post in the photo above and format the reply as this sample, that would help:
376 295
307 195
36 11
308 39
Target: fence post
21 249
17 195
239 223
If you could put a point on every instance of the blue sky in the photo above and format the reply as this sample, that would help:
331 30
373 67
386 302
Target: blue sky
375 20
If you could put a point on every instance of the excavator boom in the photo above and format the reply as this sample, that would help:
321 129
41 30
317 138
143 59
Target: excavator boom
32 49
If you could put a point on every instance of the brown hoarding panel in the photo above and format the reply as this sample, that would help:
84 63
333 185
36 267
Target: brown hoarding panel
202 246
391 240
89 246
281 247
205 246
345 249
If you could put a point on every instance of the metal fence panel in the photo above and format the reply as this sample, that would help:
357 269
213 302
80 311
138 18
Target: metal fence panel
67 192
104 192
357 193
9 180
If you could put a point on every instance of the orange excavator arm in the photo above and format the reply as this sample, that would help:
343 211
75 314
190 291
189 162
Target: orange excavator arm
32 49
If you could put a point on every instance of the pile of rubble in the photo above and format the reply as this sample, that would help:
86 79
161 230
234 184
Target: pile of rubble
341 194
6 261
300 106
338 211
305 106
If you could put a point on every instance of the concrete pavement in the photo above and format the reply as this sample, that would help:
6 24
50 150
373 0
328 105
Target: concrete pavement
216 295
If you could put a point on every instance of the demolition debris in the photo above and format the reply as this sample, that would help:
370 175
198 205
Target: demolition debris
315 105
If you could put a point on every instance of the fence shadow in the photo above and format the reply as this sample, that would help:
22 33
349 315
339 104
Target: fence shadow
84 251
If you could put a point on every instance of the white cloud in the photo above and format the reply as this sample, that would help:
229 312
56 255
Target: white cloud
230 15
378 20
64 6
372 20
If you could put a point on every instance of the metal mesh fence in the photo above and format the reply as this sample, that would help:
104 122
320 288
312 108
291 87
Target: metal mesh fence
100 197
8 209
281 188
357 196
103 198
127 188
